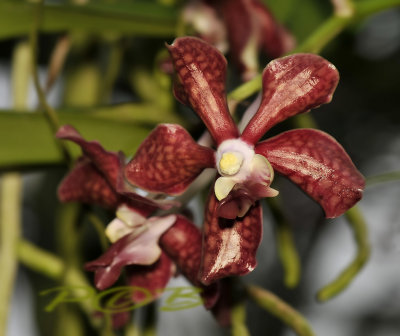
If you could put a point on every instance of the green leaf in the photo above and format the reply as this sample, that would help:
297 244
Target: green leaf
139 18
27 139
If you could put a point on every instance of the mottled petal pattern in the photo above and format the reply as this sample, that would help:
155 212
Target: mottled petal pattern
291 85
201 70
153 279
106 162
318 164
168 161
84 183
229 246
182 243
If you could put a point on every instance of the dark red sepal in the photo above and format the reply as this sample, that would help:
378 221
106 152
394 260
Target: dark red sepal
85 183
150 280
168 160
229 246
291 85
319 165
201 71
106 162
182 243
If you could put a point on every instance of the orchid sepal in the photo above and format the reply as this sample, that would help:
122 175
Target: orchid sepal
319 165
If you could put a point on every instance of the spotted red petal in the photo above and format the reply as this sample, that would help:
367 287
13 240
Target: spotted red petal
201 70
182 243
107 162
291 85
150 281
229 246
319 165
257 29
168 160
86 184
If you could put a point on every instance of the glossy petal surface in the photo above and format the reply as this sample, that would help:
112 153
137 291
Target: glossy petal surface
152 278
201 70
318 164
168 161
229 246
291 85
182 243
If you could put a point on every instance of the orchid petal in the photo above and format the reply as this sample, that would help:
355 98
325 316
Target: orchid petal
201 70
319 165
150 281
168 161
182 243
229 246
86 184
106 162
130 250
291 85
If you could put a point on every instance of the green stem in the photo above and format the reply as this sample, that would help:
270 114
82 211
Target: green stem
54 268
239 320
286 247
359 228
324 34
387 177
10 222
281 310
49 112
100 229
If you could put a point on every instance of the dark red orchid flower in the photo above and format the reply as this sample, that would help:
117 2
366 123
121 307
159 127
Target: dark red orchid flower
245 27
310 158
151 248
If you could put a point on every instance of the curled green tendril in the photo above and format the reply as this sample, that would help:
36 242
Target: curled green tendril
359 227
280 309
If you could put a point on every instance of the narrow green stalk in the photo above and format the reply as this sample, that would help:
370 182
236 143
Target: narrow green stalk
286 248
239 327
111 72
359 228
53 267
387 177
99 227
49 112
275 306
10 222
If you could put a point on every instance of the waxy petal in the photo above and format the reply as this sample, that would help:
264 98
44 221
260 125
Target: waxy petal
84 183
257 29
319 165
201 70
229 246
106 162
130 250
150 281
168 161
291 85
182 243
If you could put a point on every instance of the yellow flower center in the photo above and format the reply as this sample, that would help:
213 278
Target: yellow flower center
230 163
